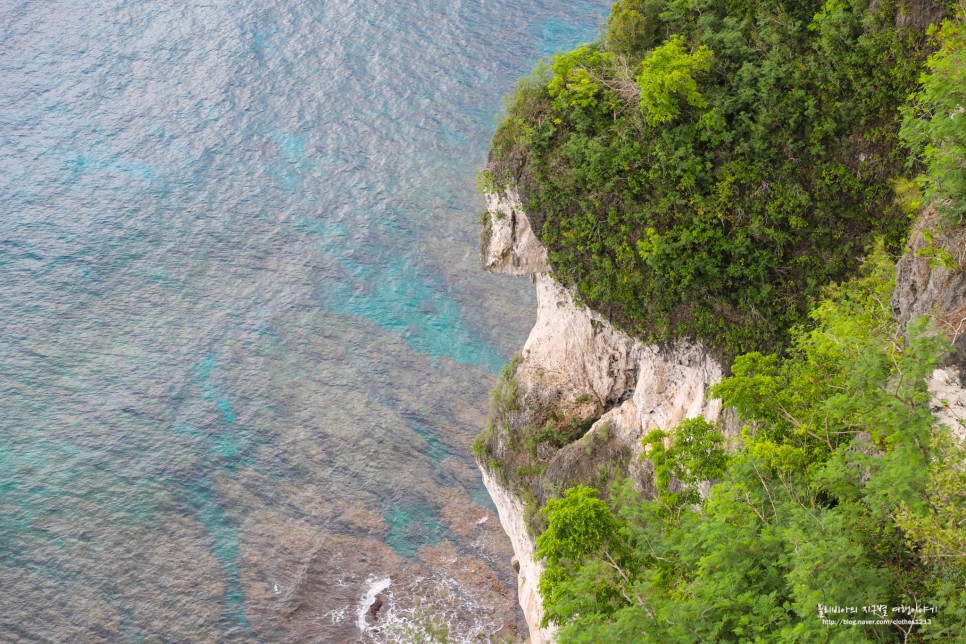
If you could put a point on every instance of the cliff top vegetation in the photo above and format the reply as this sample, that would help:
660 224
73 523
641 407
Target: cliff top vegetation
707 166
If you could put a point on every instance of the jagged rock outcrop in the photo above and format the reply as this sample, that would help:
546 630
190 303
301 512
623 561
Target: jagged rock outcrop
507 244
925 286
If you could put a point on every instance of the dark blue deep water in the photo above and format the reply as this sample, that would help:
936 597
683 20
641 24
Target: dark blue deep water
244 340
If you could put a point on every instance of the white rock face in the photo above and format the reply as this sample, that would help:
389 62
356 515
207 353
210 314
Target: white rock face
575 358
949 401
508 244
671 386
510 509
575 351
924 287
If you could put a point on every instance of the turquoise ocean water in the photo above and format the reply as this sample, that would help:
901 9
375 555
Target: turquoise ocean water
244 339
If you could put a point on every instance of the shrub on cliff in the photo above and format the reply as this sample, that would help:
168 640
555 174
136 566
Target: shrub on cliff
708 166
582 541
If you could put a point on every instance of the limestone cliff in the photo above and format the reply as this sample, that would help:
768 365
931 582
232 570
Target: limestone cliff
575 404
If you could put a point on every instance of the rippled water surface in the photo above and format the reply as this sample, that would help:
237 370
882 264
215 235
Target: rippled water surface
244 341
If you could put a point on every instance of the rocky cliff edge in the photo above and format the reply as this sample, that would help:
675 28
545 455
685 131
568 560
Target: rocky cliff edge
575 404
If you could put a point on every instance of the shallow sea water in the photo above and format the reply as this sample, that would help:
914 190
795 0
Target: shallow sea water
244 339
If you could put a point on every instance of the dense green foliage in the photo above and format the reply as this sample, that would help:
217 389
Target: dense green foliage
709 164
696 453
667 79
935 125
842 494
582 535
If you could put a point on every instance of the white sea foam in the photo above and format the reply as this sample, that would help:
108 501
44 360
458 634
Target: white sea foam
334 617
376 587
440 603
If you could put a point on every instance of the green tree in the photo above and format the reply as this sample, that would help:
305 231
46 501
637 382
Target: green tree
585 556
667 78
696 454
572 84
634 26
